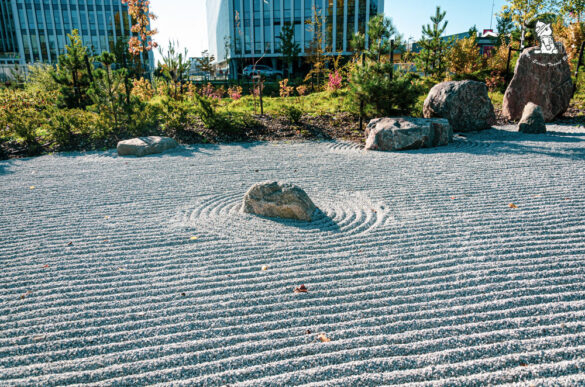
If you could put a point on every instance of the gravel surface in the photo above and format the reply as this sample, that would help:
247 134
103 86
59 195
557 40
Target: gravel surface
132 271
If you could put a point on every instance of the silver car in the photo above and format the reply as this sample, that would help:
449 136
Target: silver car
265 71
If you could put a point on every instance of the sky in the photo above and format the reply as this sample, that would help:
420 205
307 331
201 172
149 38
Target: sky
185 21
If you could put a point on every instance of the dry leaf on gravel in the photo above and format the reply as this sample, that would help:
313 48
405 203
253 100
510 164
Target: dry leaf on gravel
301 289
512 205
32 187
45 265
70 244
308 332
22 296
323 338
194 238
264 268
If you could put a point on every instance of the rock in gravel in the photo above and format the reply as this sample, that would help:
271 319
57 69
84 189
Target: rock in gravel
279 200
544 79
142 146
465 104
402 133
532 119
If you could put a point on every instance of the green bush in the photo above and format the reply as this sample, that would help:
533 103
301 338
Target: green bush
292 113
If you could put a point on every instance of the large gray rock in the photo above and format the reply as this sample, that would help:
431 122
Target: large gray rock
401 133
142 146
532 119
465 104
279 200
544 79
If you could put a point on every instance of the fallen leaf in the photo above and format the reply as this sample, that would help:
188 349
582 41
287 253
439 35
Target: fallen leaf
256 170
183 294
452 197
374 210
39 337
264 268
194 238
537 196
522 364
308 332
567 198
301 289
32 187
121 269
106 217
512 205
45 265
22 296
323 338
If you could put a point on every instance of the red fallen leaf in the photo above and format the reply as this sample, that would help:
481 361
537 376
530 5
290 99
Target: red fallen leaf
70 244
453 198
301 289
45 265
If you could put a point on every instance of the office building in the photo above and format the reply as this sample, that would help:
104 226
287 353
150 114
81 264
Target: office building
243 31
36 30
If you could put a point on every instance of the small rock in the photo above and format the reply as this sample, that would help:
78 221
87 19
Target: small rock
532 119
143 146
279 200
402 133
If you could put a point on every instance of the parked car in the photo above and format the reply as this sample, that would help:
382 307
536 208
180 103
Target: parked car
265 71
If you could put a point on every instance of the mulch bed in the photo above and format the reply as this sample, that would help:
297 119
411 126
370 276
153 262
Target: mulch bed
341 126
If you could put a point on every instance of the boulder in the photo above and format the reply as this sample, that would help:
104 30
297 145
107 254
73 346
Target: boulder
465 104
544 79
532 119
142 146
279 200
402 133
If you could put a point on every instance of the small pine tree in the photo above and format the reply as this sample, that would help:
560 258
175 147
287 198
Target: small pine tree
289 48
107 91
73 74
373 87
434 47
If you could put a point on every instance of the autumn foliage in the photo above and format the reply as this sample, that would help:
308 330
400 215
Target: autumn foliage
141 16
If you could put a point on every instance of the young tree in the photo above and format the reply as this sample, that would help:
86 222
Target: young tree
205 63
434 47
107 90
464 57
141 42
372 86
73 73
505 24
175 68
574 9
290 49
523 11
315 53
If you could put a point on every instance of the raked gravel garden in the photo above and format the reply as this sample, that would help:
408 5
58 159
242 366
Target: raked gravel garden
458 265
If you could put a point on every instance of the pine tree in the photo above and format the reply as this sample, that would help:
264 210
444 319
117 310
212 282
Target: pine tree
73 73
434 47
289 48
107 90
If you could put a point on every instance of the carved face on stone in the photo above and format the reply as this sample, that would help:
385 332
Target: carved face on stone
543 30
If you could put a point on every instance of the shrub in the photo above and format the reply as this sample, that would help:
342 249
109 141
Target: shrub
285 90
335 80
292 113
235 92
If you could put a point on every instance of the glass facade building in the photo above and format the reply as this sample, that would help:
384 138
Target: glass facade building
244 30
36 30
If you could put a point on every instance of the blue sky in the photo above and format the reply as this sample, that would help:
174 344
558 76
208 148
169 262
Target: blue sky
185 20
